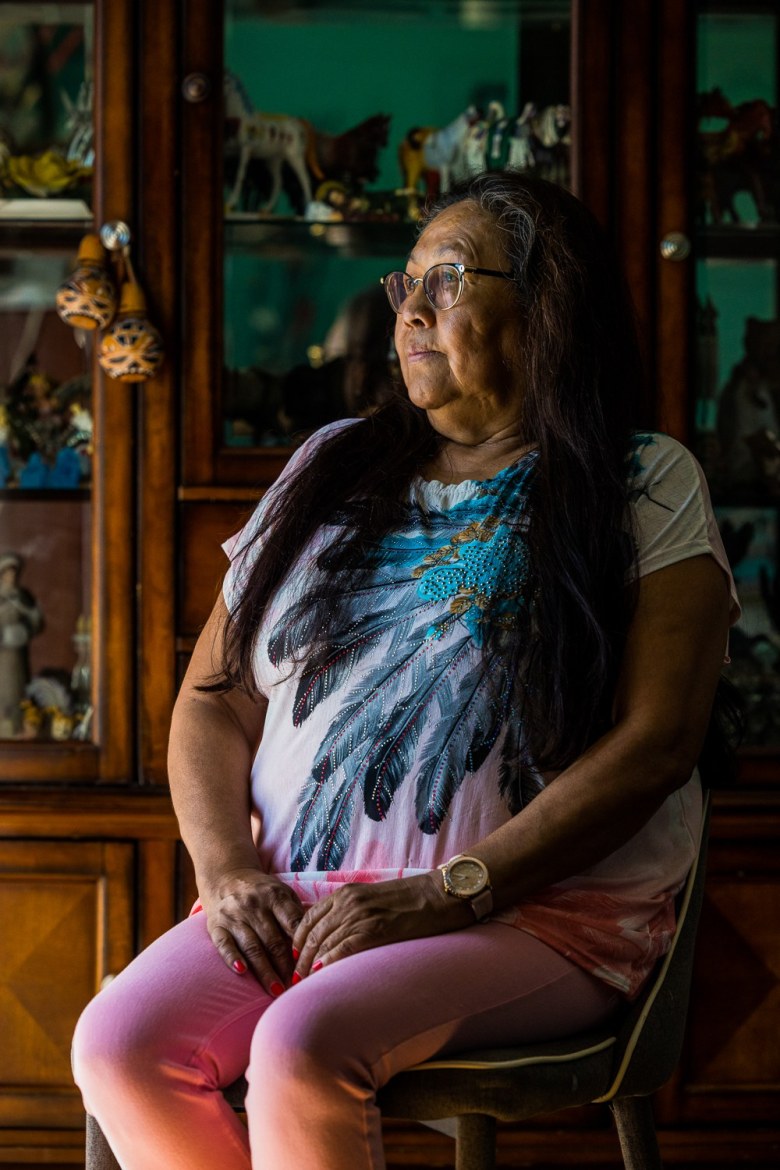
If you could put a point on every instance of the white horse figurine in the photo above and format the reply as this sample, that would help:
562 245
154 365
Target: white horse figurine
275 139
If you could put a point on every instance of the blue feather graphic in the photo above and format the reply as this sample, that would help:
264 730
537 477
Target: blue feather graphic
423 693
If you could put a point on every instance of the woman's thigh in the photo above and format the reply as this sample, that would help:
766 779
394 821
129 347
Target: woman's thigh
385 1009
176 1005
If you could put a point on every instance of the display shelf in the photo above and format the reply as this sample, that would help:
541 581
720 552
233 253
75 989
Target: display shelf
40 495
739 243
279 238
57 237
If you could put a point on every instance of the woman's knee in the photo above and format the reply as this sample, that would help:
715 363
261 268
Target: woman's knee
304 1038
114 1040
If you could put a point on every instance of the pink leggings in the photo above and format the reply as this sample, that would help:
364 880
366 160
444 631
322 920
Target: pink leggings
153 1049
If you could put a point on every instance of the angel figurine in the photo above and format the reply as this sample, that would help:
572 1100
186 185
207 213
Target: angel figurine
20 620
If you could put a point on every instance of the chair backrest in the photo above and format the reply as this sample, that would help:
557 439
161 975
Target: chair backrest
651 1036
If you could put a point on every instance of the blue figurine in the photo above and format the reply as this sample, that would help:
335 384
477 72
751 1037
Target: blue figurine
66 472
35 474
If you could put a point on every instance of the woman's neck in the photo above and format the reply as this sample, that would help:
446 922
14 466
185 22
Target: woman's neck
455 462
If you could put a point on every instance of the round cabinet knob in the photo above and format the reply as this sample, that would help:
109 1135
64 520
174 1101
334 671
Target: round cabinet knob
196 87
675 246
115 235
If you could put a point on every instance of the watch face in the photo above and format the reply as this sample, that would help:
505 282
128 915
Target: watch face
466 877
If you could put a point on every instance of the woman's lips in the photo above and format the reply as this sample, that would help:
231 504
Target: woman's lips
419 355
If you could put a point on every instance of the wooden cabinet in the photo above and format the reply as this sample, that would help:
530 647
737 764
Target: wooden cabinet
90 868
66 913
88 846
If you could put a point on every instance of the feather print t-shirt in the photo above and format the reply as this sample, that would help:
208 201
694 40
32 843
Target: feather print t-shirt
395 752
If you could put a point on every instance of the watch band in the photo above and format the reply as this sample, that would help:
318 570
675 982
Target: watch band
482 904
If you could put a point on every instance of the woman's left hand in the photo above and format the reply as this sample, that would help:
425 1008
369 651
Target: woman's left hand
361 916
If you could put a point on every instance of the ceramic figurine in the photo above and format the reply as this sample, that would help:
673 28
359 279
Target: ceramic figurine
20 620
32 720
282 140
61 723
741 155
276 139
131 350
87 299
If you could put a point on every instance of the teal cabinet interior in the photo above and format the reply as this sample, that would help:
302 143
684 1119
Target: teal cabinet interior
737 392
382 70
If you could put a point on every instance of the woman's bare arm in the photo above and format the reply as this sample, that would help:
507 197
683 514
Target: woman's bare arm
214 737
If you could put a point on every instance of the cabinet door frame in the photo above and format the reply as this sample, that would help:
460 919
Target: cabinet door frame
110 754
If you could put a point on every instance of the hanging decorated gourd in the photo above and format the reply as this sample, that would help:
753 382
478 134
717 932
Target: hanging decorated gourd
131 350
87 299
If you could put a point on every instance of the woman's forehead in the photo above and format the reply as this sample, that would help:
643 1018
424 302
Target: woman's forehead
460 232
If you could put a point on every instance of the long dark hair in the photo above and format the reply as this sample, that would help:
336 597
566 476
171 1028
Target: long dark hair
583 397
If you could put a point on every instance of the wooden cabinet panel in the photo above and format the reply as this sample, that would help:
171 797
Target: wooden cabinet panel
733 1060
202 564
66 923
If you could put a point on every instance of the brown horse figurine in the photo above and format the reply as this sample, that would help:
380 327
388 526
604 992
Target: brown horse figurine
736 157
351 158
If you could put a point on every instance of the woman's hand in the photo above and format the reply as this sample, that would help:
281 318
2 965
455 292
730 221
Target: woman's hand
361 916
252 918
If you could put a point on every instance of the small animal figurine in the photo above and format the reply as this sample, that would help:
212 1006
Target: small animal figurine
741 154
430 154
277 140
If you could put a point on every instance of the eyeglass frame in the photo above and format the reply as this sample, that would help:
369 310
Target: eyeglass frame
461 270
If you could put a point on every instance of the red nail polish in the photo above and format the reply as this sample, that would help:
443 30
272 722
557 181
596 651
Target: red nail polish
276 989
296 954
316 966
239 967
296 978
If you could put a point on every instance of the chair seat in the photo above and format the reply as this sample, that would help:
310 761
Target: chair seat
511 1083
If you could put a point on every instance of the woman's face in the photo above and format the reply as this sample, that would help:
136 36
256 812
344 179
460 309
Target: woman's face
463 365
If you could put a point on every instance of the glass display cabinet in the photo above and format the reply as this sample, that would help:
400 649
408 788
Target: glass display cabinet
46 418
737 392
56 487
377 106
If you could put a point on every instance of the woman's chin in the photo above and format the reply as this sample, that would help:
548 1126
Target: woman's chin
428 397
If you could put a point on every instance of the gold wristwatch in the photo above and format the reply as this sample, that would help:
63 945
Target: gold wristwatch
467 877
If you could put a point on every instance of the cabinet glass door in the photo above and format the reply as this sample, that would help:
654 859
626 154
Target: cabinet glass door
737 416
46 163
339 119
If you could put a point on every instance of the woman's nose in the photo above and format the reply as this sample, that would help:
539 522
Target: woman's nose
417 309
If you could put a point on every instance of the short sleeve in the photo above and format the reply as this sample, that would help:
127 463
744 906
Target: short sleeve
672 513
241 548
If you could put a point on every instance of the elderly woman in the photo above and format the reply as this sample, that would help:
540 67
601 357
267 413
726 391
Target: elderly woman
435 755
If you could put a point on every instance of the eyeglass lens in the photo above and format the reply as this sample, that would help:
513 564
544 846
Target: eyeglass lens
442 286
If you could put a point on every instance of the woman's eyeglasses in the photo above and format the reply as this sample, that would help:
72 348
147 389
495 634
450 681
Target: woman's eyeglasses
442 284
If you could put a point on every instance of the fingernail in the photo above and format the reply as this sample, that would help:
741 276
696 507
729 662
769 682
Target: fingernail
239 967
296 954
276 989
296 977
316 966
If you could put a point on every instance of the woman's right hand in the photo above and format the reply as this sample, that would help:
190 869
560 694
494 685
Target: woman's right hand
251 917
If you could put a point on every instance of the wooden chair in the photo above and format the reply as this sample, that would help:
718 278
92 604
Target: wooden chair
620 1065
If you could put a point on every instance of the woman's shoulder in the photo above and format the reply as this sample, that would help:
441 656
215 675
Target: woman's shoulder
316 439
654 456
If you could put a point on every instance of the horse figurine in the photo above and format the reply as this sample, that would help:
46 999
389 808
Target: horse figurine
741 155
534 140
350 158
280 141
550 134
429 154
275 139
